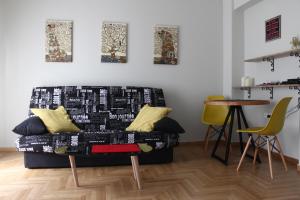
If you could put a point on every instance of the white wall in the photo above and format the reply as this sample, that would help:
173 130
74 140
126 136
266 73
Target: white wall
255 45
233 48
240 3
244 4
2 57
227 47
237 51
198 74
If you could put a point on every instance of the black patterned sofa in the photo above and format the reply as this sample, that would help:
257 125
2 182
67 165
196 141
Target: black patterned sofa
102 113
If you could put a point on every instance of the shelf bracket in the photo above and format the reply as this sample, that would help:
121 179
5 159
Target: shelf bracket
296 54
271 61
248 89
271 91
249 92
295 88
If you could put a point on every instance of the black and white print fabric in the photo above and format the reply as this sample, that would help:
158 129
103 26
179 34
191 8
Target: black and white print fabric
101 112
97 108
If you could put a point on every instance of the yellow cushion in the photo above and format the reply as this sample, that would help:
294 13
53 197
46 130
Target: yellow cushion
144 121
56 120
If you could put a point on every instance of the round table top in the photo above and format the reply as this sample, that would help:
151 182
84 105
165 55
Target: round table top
237 102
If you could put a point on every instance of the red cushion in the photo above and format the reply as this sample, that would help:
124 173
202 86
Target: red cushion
115 148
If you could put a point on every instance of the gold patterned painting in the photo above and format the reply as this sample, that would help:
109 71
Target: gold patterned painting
165 44
114 42
59 41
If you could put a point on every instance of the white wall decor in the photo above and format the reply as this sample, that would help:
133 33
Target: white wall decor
165 44
114 42
59 41
273 28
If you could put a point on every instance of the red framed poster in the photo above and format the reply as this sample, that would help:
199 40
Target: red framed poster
273 28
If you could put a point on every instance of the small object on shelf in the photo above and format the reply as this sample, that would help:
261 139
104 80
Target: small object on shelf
247 81
291 81
243 79
295 43
270 83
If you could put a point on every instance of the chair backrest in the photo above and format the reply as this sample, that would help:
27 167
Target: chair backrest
277 118
214 115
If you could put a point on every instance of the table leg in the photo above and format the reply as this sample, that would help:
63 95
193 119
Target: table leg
133 167
229 136
240 110
230 114
136 168
74 171
220 134
240 127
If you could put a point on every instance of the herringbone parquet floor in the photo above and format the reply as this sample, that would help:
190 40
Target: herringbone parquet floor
193 175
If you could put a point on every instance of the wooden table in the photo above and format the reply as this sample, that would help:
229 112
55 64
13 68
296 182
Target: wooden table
132 149
234 105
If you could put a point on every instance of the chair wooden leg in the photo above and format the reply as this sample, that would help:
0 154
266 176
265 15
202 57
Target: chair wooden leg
207 138
255 155
270 159
74 171
281 153
256 150
137 171
244 153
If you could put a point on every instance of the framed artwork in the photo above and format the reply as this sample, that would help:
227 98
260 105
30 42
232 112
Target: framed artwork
59 41
273 28
114 42
165 44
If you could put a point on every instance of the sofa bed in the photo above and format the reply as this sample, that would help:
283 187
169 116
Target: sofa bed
102 114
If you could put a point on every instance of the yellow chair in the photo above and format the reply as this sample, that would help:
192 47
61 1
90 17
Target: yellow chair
267 134
213 116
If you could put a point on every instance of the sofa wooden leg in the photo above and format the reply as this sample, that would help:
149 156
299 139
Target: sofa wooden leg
74 171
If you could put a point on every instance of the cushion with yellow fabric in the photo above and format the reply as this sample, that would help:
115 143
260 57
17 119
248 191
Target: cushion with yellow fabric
144 121
56 120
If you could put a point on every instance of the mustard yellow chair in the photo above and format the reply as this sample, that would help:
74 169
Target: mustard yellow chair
267 135
213 116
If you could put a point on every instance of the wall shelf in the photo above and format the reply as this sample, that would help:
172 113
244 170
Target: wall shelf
270 88
271 57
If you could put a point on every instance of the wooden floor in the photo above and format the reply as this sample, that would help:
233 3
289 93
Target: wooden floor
193 175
